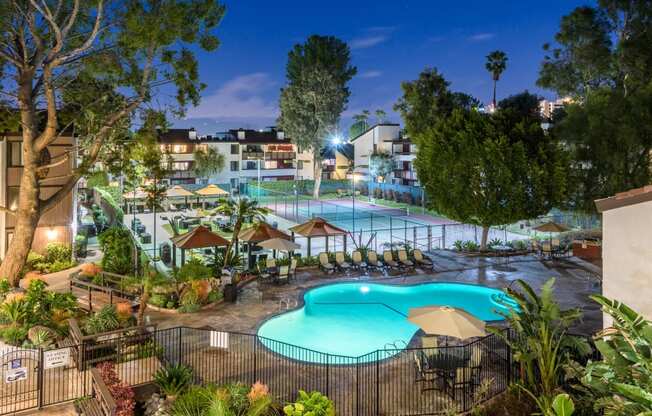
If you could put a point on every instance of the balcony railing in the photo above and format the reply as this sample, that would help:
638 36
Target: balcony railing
252 155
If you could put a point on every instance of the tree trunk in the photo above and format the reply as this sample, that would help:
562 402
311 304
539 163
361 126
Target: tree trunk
142 307
317 173
234 240
494 99
27 214
485 235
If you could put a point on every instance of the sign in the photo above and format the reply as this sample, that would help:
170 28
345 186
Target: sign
56 358
17 374
219 339
13 364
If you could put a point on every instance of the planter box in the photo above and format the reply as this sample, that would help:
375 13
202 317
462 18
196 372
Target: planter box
587 250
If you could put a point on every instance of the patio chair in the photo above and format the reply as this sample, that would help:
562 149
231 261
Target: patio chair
283 274
372 260
546 250
270 263
463 382
403 259
341 262
423 373
263 274
421 259
388 258
293 268
324 264
358 263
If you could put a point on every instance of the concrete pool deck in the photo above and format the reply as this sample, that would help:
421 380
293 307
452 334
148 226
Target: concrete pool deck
575 281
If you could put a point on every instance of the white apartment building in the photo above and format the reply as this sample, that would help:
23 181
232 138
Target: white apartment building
386 137
248 154
548 108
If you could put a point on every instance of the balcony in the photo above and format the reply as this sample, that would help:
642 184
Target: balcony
405 174
181 174
252 155
280 156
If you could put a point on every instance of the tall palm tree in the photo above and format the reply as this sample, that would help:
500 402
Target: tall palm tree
496 65
243 209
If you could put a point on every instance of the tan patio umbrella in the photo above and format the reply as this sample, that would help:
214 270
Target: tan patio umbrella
279 244
318 227
139 194
178 192
447 321
258 232
551 227
211 191
200 237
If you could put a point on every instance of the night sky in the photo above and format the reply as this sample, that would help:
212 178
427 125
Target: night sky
391 41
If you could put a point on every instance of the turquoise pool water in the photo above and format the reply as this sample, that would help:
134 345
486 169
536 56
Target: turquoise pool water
356 319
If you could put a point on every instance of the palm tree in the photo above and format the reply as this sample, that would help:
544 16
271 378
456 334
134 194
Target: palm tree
207 162
151 278
496 65
381 116
243 209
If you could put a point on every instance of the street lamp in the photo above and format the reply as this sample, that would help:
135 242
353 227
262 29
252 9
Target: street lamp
353 175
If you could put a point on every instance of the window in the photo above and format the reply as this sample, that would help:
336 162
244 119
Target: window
234 166
179 148
15 154
235 149
300 164
180 165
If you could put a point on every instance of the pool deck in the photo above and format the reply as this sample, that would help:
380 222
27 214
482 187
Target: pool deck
259 301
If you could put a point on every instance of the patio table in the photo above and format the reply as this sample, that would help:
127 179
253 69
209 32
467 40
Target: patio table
503 251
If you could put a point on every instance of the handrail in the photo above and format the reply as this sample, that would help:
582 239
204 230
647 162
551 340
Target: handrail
101 392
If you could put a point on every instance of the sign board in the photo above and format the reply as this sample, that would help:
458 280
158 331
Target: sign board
16 374
219 339
56 358
13 364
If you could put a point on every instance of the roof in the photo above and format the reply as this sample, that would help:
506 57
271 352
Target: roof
182 136
371 128
260 232
177 191
623 199
200 237
317 227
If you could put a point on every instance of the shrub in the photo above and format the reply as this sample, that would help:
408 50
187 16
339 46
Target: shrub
194 270
495 242
104 320
458 245
5 288
470 246
519 245
117 248
57 252
310 404
14 335
173 379
89 269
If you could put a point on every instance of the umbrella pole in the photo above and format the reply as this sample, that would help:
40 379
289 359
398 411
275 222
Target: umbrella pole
308 255
183 256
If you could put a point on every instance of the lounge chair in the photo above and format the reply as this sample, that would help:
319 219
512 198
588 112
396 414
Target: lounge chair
324 264
341 262
358 263
283 274
421 259
372 260
403 259
388 258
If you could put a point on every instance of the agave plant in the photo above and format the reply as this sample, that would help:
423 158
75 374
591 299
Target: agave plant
173 379
14 312
541 344
622 380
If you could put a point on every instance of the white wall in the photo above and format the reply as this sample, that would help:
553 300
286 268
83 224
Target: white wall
3 193
627 257
363 146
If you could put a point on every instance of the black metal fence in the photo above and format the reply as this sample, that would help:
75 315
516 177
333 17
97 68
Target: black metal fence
410 381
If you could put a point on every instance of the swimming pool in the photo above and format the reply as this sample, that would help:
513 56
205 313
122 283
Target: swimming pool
356 319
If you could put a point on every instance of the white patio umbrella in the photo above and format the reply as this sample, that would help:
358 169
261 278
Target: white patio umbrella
279 244
447 321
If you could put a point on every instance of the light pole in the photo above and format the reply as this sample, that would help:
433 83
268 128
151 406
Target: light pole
353 199
258 179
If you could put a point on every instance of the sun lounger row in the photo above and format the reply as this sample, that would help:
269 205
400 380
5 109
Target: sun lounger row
388 261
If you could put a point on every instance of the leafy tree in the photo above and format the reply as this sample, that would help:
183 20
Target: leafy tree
381 116
606 45
491 170
208 162
496 65
424 102
381 164
316 94
622 379
118 250
243 209
541 344
610 139
91 64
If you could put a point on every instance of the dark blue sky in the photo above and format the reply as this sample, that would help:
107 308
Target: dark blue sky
391 41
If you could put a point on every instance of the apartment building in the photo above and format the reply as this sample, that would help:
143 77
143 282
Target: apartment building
547 108
386 137
249 155
58 225
336 161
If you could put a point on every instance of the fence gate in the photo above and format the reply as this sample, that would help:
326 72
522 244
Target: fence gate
19 387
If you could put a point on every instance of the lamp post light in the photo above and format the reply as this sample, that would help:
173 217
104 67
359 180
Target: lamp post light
353 199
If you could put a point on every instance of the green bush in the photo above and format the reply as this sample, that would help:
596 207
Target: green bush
117 248
215 296
104 320
14 335
57 252
111 195
173 379
194 270
310 404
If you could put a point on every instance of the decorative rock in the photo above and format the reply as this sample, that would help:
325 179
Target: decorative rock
156 406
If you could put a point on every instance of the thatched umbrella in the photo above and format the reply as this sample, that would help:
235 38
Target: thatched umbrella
178 192
211 191
318 227
200 237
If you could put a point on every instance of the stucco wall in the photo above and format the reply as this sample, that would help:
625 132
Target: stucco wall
627 257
